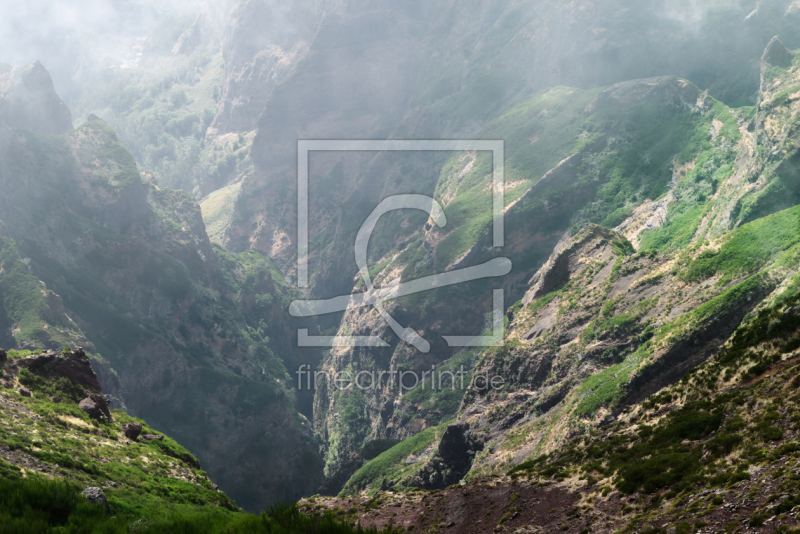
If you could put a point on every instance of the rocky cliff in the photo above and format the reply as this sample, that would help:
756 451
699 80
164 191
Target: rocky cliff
601 324
29 100
188 336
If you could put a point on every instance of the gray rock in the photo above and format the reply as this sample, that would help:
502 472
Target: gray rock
91 408
25 392
95 495
55 399
156 437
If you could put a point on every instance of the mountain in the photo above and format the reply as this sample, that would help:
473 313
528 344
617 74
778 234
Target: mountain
599 125
182 333
605 326
715 450
380 71
650 189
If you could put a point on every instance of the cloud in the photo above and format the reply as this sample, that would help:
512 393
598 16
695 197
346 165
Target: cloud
67 34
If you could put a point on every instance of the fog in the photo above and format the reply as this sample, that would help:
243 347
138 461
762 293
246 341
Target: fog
73 38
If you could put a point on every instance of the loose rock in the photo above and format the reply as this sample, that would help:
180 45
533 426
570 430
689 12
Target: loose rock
25 392
95 495
90 407
132 430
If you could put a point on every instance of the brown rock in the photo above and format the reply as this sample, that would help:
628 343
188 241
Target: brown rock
132 430
55 399
76 366
3 356
25 392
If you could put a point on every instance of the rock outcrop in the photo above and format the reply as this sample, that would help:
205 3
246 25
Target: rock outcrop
74 365
29 100
777 54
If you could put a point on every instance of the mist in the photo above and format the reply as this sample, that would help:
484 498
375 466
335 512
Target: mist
438 266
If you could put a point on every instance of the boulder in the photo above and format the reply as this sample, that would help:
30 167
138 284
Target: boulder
101 403
3 356
55 399
25 392
132 430
95 406
95 495
156 437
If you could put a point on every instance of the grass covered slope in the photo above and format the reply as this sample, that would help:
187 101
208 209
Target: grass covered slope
46 434
51 450
29 313
729 426
605 325
34 506
394 464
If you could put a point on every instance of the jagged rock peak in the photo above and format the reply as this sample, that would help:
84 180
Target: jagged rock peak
776 54
29 100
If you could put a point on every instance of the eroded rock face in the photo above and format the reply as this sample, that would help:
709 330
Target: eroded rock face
454 458
29 100
263 41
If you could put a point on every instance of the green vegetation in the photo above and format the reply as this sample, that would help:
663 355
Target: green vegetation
442 401
23 302
38 506
392 463
749 248
144 284
707 419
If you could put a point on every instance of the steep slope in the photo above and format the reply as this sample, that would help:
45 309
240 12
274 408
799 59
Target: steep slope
717 450
197 336
620 158
68 464
601 325
46 434
432 71
570 158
